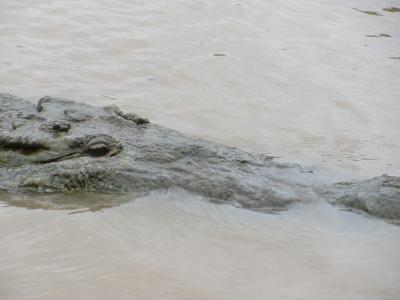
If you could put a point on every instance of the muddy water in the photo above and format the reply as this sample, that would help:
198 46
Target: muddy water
303 80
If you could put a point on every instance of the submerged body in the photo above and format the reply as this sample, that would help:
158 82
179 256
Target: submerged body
61 145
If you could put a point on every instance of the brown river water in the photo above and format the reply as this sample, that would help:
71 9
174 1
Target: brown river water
312 82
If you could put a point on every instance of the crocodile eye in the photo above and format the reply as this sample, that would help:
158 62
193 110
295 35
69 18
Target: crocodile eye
99 149
102 145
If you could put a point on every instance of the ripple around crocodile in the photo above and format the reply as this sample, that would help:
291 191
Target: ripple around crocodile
60 145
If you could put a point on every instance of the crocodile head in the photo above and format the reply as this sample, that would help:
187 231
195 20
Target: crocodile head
63 145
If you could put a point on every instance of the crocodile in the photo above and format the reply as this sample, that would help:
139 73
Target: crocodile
59 145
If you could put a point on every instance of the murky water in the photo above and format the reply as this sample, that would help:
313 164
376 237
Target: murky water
299 79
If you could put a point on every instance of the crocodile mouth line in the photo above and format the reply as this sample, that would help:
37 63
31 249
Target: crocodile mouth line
57 158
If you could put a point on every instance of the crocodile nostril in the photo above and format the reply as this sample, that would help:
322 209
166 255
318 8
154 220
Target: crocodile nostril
61 126
56 126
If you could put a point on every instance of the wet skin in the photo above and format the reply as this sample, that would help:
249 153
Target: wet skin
63 146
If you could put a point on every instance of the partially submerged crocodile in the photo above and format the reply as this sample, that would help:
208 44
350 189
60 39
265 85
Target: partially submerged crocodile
59 145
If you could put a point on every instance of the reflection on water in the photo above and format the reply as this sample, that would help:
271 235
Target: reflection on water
177 246
65 201
292 79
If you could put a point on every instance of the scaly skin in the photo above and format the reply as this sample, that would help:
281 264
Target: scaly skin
60 145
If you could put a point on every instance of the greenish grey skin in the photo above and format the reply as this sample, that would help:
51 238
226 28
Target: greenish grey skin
59 145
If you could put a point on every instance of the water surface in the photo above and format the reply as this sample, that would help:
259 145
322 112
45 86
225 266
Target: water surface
297 79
